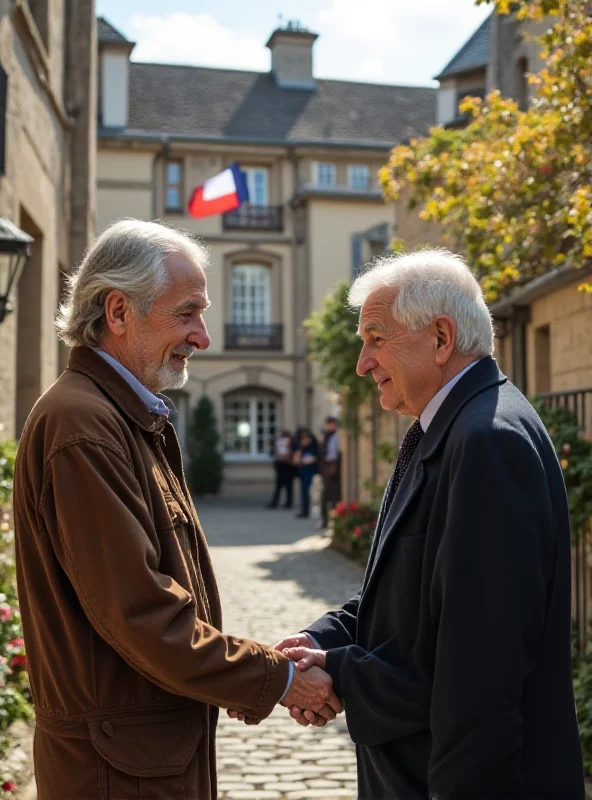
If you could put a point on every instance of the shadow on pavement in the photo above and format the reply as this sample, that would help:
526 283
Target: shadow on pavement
320 574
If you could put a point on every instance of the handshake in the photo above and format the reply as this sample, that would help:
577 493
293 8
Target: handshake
310 698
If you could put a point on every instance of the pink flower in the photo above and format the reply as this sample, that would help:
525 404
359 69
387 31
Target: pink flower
18 661
357 532
340 509
5 612
18 642
8 786
353 506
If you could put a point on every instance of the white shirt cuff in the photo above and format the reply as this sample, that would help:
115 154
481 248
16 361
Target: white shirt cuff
290 679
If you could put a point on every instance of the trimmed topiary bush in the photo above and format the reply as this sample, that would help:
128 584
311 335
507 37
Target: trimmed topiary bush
206 466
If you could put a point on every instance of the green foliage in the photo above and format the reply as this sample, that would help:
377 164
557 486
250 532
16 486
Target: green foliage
574 450
512 189
7 458
353 526
14 688
206 466
582 683
386 452
334 345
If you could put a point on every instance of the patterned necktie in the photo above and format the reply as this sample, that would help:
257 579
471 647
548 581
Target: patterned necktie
408 446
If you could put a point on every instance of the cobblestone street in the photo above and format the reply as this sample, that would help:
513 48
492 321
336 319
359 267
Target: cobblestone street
275 575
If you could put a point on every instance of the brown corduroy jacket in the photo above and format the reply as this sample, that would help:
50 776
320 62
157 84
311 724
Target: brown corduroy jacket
120 610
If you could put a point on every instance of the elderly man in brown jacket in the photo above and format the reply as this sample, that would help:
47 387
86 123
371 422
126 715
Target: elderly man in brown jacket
119 604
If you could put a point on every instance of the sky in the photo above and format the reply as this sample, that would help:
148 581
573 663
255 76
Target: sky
379 41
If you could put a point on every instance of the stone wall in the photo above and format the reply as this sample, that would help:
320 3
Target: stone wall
48 186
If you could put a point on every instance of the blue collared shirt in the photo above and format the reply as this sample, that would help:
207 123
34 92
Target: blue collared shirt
156 405
153 403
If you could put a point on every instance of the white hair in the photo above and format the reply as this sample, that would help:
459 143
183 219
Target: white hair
430 283
130 255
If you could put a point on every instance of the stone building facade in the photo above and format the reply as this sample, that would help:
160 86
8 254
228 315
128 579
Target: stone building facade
311 150
47 188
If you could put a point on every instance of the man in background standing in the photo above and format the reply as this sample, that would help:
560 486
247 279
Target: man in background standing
330 470
284 470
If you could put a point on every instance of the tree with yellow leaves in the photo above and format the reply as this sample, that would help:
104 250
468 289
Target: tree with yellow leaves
513 189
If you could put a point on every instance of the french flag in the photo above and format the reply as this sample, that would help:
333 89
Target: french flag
224 192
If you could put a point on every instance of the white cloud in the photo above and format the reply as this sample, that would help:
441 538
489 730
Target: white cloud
182 38
393 21
391 41
411 40
371 69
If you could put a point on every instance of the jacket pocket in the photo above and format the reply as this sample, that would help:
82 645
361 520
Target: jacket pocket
152 744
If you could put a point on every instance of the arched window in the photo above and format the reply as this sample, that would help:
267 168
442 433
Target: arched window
251 294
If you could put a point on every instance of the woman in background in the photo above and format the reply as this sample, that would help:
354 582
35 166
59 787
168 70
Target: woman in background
308 466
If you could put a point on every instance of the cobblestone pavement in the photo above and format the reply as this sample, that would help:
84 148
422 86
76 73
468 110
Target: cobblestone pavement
275 575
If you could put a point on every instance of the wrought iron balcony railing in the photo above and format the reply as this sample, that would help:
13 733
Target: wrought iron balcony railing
256 218
254 337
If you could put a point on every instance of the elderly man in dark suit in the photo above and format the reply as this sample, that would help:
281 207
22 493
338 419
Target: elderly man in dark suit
453 660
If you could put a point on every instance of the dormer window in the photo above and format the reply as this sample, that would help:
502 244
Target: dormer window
174 186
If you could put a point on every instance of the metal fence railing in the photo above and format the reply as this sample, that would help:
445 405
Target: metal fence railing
579 402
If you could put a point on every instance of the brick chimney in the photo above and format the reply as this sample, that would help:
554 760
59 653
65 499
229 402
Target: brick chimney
291 56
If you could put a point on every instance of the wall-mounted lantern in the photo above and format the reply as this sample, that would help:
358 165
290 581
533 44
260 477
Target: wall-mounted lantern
15 249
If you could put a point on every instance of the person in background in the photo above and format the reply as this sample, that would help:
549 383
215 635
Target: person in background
330 470
307 460
284 470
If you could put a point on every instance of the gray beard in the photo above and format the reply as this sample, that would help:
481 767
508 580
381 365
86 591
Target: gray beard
166 377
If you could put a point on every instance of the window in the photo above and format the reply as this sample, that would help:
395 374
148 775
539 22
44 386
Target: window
174 191
250 423
358 177
325 174
258 183
251 295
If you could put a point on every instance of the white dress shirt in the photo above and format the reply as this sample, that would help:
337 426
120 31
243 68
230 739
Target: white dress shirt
430 411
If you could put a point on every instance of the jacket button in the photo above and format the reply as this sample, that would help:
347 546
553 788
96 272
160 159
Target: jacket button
107 728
